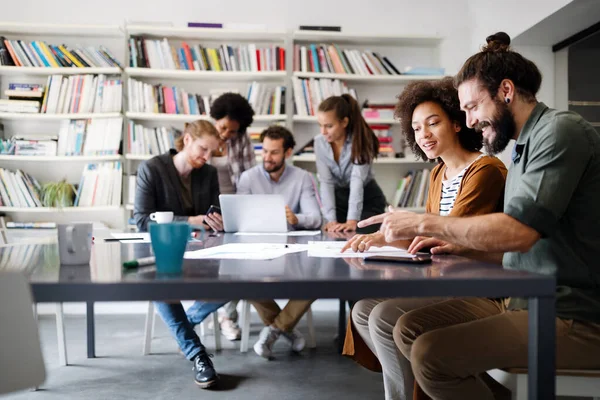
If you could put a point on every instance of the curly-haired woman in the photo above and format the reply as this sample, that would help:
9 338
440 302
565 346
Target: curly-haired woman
233 115
465 182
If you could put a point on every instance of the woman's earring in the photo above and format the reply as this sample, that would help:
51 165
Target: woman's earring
507 100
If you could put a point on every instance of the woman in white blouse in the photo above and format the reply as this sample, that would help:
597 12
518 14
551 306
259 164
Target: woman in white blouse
345 152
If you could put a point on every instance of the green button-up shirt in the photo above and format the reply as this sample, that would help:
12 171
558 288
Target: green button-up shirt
553 186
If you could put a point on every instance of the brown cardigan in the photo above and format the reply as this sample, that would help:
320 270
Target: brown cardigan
481 192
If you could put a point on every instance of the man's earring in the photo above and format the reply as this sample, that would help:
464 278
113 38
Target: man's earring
507 100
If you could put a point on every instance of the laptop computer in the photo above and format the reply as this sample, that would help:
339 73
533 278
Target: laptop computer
264 213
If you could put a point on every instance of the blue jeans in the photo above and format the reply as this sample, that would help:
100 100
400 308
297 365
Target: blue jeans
181 324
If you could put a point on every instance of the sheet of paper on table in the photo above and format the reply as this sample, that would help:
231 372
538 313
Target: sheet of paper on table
333 250
246 251
290 233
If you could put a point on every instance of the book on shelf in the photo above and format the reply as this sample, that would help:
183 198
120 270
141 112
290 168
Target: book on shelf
19 106
22 53
19 189
90 137
146 98
382 131
25 91
204 25
151 53
131 186
82 94
100 185
322 28
378 110
265 99
323 58
30 225
142 140
309 93
30 145
412 189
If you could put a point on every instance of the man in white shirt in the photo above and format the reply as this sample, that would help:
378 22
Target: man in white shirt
302 212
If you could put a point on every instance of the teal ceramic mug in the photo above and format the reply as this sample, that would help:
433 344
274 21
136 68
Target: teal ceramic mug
168 243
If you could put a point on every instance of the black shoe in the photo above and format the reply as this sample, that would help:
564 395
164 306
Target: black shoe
204 372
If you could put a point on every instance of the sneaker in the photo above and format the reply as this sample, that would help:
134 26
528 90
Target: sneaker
205 375
296 339
264 346
230 329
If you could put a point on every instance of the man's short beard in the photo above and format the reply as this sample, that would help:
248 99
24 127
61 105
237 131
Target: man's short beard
504 127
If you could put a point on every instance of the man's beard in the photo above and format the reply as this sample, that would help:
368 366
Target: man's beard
275 168
195 163
503 124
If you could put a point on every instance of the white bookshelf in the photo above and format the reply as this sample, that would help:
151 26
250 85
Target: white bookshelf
56 168
374 121
155 117
179 74
44 71
369 78
17 158
55 117
387 170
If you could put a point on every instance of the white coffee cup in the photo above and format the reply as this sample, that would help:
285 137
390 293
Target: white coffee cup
162 217
75 243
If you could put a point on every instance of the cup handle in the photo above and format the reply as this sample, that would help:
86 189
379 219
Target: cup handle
69 232
153 217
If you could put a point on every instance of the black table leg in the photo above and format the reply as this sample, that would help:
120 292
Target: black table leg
542 348
91 337
341 325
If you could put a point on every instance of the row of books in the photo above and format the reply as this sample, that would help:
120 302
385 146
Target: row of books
30 146
146 98
100 185
266 100
378 110
75 138
149 53
151 141
331 59
90 137
82 94
19 189
384 136
19 106
412 189
309 93
41 54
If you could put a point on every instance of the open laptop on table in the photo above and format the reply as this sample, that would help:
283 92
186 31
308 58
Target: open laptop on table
264 213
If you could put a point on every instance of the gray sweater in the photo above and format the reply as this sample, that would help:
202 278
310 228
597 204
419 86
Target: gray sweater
159 189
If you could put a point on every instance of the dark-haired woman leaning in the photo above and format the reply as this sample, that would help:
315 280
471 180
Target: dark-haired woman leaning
233 115
345 152
465 182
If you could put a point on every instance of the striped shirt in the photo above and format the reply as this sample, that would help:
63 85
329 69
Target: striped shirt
450 189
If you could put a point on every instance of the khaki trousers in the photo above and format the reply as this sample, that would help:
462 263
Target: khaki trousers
284 320
374 319
451 343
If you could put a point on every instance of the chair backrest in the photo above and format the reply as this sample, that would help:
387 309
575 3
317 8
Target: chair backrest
21 360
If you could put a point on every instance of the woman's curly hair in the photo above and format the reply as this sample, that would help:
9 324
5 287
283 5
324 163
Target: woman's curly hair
235 107
444 94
